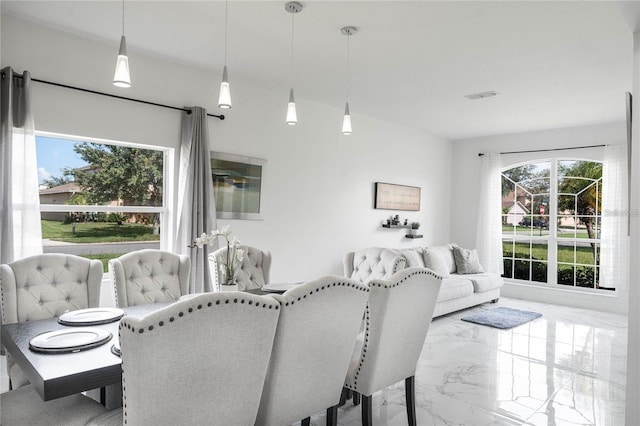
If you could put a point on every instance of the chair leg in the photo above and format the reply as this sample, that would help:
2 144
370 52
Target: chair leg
367 412
332 416
356 398
344 396
306 422
410 393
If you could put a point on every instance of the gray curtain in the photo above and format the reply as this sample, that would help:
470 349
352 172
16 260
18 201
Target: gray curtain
20 230
196 205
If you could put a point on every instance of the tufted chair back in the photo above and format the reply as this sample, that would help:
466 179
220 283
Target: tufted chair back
397 318
46 286
199 361
318 325
149 276
372 263
252 273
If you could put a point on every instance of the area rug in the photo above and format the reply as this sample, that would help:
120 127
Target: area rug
502 317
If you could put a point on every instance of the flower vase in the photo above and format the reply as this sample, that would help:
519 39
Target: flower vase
229 286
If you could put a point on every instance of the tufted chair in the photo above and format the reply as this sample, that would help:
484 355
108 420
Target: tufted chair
23 406
149 276
372 264
252 273
397 318
46 286
199 361
318 325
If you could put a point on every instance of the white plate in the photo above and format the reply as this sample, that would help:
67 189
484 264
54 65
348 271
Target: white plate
69 340
91 316
279 288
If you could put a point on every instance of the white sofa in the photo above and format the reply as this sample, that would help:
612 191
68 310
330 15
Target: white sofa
458 291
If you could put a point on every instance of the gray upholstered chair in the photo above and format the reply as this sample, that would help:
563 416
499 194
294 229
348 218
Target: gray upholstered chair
318 325
46 286
199 361
23 406
397 319
253 271
149 276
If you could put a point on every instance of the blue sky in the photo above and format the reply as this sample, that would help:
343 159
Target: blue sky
54 155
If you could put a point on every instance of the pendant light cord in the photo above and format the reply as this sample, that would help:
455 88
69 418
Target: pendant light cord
348 62
122 17
293 16
226 6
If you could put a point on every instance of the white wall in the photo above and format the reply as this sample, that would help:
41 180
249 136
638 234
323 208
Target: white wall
465 190
318 185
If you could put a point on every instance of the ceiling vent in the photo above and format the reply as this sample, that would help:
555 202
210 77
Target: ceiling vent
482 95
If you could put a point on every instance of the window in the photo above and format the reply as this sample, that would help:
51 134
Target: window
551 222
99 199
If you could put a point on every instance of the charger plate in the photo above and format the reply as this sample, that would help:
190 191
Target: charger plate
69 340
91 316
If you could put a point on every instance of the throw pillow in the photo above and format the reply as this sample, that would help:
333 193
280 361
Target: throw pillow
467 261
434 261
413 258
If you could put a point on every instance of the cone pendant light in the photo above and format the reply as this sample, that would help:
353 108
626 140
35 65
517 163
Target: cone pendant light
346 120
122 78
292 115
224 98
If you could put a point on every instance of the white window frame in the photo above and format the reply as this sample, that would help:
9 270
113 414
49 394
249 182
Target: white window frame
551 239
166 230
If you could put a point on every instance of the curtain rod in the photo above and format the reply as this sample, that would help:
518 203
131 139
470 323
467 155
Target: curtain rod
95 92
480 154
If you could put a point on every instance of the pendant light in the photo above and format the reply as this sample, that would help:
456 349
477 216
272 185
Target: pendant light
346 120
292 117
224 99
121 78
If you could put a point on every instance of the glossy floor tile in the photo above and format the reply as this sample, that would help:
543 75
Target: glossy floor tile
566 368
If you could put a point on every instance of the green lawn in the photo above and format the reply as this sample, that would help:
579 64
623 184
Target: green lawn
584 255
104 258
97 232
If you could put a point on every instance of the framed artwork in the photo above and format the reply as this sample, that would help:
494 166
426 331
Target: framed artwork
237 185
389 196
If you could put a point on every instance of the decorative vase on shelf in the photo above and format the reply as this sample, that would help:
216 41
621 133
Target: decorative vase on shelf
413 231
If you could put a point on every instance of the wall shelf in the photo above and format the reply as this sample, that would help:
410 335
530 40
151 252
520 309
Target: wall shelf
413 236
385 225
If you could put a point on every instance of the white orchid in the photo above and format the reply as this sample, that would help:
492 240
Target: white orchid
234 254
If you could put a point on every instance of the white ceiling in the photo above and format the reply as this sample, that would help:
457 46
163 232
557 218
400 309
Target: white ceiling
553 63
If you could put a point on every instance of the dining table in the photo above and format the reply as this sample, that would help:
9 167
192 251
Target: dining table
55 375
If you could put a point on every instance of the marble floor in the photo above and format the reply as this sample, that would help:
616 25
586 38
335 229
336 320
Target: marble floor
566 368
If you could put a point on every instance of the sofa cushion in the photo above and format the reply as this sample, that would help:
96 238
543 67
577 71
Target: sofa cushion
440 257
485 282
376 263
414 257
467 261
454 287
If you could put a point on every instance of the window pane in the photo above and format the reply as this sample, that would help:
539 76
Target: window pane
521 270
567 226
539 250
565 274
585 276
86 173
585 227
508 266
102 236
507 248
566 251
539 272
